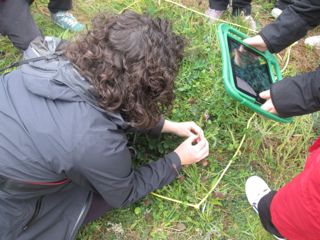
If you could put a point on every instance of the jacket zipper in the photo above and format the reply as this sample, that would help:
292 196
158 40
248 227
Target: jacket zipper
35 213
82 215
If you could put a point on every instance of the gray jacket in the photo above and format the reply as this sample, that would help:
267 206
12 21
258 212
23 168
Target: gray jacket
52 131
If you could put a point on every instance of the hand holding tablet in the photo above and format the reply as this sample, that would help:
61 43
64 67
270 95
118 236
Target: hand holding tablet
247 71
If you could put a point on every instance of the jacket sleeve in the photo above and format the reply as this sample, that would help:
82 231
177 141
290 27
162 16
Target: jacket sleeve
105 164
291 25
297 95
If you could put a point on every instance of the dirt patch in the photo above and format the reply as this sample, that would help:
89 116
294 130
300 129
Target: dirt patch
196 4
305 58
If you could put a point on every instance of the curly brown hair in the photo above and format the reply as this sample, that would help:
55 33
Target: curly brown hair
132 61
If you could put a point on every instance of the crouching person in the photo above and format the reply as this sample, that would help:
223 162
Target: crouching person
64 116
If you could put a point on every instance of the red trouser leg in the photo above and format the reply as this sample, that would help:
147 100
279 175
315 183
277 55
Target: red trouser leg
295 209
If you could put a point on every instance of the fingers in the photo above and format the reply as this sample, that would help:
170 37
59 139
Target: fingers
257 42
184 129
191 152
265 94
196 129
196 152
268 106
204 151
237 58
250 41
201 144
191 139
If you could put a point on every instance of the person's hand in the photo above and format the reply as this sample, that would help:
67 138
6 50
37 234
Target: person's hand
182 129
256 42
193 150
268 105
237 57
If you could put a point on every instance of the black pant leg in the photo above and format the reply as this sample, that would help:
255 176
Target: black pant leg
265 215
282 4
17 23
239 6
59 5
219 5
98 208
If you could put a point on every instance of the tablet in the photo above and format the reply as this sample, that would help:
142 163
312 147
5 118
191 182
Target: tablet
250 70
247 71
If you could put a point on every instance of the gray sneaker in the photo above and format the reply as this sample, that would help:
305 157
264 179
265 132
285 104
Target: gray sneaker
316 122
251 22
276 12
213 14
67 21
313 41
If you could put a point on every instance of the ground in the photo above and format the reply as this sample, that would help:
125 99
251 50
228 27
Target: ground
272 150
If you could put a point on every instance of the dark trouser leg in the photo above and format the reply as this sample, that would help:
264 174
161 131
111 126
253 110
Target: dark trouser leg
59 5
17 23
282 4
219 5
265 215
241 6
98 208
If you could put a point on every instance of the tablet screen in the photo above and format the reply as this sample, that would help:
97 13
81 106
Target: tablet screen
250 70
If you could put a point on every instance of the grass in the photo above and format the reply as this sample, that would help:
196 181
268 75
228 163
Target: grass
272 150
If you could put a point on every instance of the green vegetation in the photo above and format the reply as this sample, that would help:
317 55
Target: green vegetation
272 150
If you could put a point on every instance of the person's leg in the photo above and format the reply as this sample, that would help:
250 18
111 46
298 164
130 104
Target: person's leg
216 9
220 5
260 198
294 211
98 208
61 16
265 215
20 28
282 4
59 5
241 6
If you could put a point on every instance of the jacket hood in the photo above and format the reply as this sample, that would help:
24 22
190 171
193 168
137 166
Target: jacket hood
55 78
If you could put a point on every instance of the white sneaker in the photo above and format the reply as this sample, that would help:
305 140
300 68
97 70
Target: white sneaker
251 22
256 188
276 12
313 41
214 14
